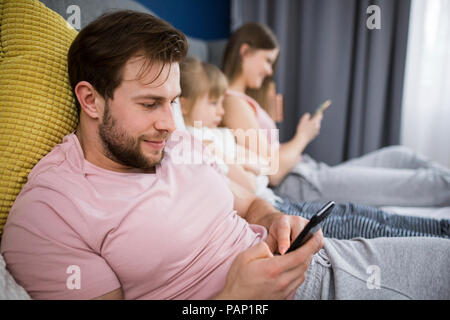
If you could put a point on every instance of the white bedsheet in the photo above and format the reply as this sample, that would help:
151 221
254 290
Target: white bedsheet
437 213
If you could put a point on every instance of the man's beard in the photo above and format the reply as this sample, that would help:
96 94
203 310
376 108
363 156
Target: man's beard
121 147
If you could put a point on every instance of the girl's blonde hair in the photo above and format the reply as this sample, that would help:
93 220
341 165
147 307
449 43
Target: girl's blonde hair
198 78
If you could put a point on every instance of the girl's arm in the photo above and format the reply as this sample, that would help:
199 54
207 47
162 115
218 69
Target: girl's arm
236 172
242 177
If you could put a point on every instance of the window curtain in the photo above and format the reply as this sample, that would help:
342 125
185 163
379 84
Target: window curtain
426 107
328 52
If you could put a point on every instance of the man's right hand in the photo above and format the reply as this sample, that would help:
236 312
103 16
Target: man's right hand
256 274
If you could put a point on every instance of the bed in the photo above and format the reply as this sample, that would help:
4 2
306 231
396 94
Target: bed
37 106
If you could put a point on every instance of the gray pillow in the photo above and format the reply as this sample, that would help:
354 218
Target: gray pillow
91 9
9 289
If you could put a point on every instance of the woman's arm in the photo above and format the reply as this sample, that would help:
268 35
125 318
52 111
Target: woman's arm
238 115
289 155
290 152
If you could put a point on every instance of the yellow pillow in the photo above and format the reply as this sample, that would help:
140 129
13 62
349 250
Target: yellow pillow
37 108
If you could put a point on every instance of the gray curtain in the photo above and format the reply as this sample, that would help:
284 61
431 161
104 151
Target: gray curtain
327 52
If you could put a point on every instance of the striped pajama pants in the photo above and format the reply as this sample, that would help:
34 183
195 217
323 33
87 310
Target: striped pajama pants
349 220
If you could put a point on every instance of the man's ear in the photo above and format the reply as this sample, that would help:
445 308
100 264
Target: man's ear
89 99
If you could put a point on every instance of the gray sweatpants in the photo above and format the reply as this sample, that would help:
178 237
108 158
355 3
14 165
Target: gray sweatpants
392 176
381 268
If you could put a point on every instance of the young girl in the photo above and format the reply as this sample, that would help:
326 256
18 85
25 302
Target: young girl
392 176
203 87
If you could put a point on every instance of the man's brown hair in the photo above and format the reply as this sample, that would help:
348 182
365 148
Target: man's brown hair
101 49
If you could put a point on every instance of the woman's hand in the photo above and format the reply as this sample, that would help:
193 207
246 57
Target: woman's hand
308 127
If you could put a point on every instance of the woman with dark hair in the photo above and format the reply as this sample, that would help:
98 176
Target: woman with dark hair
391 176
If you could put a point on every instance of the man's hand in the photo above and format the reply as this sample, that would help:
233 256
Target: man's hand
284 230
257 274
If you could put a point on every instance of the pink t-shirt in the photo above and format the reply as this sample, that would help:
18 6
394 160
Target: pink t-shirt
77 231
264 120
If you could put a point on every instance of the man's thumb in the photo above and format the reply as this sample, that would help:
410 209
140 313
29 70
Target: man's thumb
258 251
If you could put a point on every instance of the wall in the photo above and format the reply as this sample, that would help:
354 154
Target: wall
203 19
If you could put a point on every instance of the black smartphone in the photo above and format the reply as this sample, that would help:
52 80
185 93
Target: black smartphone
312 227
